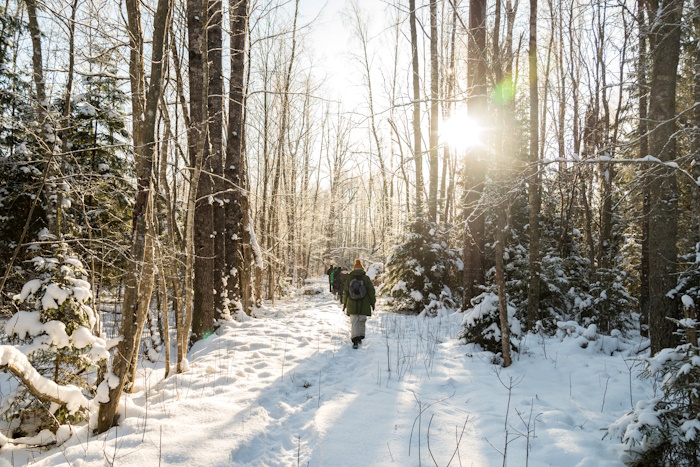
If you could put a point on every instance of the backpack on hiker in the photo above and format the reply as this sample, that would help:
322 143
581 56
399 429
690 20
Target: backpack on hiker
357 289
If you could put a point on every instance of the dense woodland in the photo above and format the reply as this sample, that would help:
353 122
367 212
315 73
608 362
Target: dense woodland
187 162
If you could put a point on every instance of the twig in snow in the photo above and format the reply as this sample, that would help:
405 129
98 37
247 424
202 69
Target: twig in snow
458 440
605 393
429 450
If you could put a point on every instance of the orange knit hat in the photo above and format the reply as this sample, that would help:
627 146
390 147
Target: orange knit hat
358 265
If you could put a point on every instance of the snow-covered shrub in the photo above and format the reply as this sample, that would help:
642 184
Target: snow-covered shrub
481 324
689 280
422 272
375 271
54 328
611 305
665 430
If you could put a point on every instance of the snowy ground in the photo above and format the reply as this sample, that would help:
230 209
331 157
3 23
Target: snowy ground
287 389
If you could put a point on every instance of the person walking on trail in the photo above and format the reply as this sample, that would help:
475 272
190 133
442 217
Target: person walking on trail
330 278
337 287
358 301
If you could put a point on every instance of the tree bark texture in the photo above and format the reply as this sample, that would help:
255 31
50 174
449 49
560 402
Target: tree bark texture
203 313
46 125
434 113
139 277
663 190
474 242
534 196
237 225
215 104
417 151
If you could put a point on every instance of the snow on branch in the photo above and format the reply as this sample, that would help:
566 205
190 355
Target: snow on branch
44 389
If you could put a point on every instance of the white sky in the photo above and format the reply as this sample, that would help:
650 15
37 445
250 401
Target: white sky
333 43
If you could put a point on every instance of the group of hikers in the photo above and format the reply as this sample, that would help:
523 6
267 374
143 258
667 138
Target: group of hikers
356 293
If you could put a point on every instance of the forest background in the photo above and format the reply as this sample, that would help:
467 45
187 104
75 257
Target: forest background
192 160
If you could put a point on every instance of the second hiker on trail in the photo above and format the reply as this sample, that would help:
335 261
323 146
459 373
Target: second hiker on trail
330 278
358 301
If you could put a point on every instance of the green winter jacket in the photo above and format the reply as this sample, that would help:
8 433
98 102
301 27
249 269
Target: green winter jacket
359 307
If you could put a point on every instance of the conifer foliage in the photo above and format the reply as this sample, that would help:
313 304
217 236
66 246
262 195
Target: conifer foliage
664 430
422 273
54 327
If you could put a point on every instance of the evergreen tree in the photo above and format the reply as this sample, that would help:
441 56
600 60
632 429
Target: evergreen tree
21 164
664 430
422 273
99 172
54 326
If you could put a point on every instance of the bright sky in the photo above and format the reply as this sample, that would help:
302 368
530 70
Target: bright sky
333 43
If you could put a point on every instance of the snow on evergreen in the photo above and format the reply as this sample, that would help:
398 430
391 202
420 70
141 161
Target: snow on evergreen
55 352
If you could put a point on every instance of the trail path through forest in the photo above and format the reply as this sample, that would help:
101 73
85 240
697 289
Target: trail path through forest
287 389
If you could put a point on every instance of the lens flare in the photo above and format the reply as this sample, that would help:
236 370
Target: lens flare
461 131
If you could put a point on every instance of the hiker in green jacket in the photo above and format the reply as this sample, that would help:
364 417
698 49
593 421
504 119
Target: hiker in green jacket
358 301
330 278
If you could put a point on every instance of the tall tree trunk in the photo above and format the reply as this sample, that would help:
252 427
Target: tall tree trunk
215 103
264 223
534 200
696 137
663 191
417 151
237 216
504 147
47 130
434 113
447 111
474 241
277 179
139 277
203 314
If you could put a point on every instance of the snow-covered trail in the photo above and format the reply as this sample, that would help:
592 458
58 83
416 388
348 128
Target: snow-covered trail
287 389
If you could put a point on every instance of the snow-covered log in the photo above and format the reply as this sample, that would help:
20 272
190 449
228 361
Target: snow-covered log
15 362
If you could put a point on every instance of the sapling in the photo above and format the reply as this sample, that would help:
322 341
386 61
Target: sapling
529 432
630 367
53 333
512 383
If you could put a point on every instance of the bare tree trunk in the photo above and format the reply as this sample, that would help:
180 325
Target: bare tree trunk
696 137
504 149
264 222
237 216
434 113
46 124
447 111
215 103
281 146
663 191
474 242
139 287
533 290
417 151
203 315
164 308
170 262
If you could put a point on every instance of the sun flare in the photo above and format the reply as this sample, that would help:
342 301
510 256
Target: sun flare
461 131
